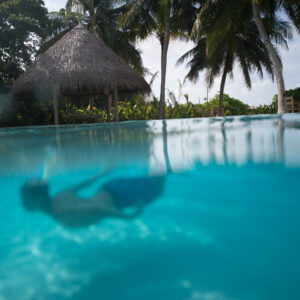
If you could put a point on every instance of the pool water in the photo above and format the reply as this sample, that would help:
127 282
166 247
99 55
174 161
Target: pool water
225 226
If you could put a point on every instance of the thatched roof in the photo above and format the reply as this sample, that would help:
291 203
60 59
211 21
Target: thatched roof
79 64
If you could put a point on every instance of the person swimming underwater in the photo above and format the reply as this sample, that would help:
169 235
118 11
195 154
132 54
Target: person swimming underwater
113 199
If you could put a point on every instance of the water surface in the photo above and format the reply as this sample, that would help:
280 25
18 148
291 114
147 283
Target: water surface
225 226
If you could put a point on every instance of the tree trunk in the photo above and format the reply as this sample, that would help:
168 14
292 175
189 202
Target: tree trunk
274 58
109 105
220 108
223 81
55 106
91 104
116 104
165 47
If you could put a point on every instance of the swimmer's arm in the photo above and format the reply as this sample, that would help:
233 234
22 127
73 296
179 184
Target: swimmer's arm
88 182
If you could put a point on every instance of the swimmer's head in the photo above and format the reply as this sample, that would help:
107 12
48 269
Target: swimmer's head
35 195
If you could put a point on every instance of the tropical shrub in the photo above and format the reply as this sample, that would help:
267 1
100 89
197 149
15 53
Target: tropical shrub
29 112
263 109
231 106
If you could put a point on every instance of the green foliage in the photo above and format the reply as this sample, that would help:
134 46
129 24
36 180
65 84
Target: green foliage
227 11
183 111
147 17
263 109
225 39
32 114
134 108
21 27
70 113
231 25
294 93
26 113
232 106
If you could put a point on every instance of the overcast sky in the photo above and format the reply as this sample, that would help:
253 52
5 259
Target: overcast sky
262 90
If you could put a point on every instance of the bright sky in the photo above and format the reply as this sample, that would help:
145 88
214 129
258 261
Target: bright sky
262 90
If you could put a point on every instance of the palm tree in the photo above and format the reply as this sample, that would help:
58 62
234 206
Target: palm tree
101 17
241 43
292 10
270 10
164 19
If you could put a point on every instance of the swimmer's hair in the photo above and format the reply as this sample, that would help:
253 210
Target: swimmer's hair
35 195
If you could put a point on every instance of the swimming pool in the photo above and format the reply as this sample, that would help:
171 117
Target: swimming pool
225 226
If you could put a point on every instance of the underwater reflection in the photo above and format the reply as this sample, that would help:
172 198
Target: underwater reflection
116 198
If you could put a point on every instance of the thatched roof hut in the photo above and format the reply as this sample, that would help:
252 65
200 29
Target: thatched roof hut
79 64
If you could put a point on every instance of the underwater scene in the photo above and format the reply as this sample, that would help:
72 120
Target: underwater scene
198 209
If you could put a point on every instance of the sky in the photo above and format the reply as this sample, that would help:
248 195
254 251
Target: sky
262 90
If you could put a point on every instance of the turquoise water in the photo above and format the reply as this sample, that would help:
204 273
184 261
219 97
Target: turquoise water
225 227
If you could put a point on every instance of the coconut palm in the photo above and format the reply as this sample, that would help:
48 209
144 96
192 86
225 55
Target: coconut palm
241 43
264 13
164 19
101 18
292 10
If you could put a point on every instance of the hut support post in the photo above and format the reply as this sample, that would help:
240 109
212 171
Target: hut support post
109 106
55 106
116 104
91 104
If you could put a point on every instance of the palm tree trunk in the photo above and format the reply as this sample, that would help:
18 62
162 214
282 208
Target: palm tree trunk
165 46
220 108
274 58
223 81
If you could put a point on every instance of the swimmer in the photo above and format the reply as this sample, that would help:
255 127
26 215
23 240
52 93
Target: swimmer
113 199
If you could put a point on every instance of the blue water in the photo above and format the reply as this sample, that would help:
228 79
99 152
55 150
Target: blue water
225 227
